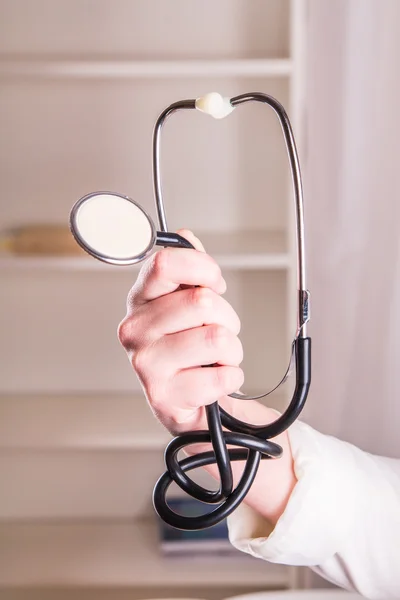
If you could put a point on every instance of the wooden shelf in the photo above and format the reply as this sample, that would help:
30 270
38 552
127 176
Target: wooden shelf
78 468
249 262
79 422
46 422
80 457
116 553
247 250
128 69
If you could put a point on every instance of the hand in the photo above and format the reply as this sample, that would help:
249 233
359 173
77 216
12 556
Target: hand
170 330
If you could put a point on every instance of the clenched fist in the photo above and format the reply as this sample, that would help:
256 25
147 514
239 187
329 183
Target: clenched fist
173 328
177 321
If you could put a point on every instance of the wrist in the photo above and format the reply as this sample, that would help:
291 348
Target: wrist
276 478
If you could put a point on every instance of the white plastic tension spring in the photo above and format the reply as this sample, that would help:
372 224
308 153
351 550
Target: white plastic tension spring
215 105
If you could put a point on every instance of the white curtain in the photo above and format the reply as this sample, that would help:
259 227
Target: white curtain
353 219
352 201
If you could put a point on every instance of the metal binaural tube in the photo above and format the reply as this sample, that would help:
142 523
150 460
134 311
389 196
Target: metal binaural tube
302 313
303 294
181 105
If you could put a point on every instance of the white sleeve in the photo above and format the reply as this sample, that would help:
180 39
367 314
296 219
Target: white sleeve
342 519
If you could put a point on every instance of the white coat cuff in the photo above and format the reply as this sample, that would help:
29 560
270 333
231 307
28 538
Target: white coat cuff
324 494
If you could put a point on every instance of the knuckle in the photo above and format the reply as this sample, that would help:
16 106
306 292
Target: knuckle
156 402
124 332
155 398
128 332
140 362
155 383
157 395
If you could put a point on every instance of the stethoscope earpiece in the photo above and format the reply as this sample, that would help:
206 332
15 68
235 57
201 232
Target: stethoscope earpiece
115 229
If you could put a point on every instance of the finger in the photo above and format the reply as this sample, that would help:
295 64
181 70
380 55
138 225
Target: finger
185 309
188 309
194 388
167 269
190 237
193 348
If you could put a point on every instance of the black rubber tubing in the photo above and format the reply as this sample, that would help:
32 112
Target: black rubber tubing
254 441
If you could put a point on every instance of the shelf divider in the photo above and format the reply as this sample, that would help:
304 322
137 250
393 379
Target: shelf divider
128 69
120 553
237 250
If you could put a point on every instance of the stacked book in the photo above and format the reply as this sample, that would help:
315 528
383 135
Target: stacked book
213 540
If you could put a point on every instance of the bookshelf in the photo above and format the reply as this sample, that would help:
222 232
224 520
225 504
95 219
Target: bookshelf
82 84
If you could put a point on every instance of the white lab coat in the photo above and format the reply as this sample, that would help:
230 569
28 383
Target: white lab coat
342 519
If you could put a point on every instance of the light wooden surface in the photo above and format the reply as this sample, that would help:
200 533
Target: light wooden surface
116 554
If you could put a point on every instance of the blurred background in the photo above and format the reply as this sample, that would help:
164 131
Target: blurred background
82 84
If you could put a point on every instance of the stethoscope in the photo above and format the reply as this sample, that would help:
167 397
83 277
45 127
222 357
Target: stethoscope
116 230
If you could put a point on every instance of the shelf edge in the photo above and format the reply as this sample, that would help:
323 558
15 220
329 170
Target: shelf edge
112 69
